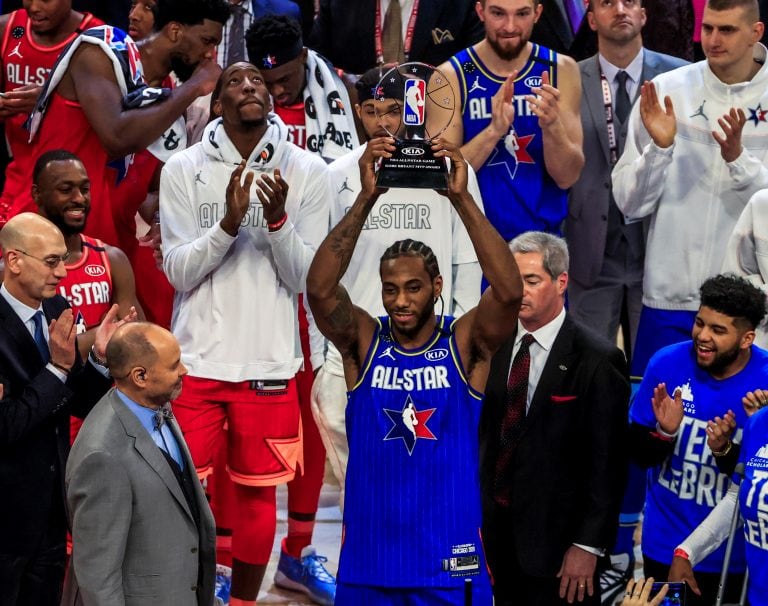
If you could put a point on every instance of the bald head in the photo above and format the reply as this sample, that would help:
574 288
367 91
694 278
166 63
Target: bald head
133 344
145 361
34 252
25 230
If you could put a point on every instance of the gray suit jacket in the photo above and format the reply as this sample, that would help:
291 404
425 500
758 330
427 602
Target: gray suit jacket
586 225
135 540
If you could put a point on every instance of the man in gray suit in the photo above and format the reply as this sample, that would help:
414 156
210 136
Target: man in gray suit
606 250
142 531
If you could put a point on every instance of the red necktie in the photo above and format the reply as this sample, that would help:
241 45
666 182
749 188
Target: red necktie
511 424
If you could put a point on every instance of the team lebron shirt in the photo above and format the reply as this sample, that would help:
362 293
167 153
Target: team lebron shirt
518 193
687 485
412 505
753 500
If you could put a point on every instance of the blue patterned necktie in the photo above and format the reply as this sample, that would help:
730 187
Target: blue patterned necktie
42 344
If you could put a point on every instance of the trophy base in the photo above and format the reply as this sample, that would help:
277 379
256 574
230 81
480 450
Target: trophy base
413 164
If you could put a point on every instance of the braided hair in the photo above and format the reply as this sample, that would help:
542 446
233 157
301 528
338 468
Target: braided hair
413 248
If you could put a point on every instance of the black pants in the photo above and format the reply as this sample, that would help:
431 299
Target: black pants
36 577
511 585
708 583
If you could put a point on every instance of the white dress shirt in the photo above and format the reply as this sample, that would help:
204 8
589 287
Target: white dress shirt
544 337
634 72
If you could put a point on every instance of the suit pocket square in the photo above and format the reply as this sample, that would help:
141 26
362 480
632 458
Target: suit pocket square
562 399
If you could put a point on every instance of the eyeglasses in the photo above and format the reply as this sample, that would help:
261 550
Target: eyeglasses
52 261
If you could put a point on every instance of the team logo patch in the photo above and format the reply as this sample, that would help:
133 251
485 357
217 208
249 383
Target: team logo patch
94 270
17 32
80 326
517 153
760 460
687 395
266 154
269 61
409 424
757 114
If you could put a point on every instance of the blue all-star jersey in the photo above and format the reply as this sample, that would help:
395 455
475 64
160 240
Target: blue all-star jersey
518 193
412 504
753 500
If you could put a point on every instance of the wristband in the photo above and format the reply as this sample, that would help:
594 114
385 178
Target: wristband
61 367
664 435
95 357
726 449
681 553
277 224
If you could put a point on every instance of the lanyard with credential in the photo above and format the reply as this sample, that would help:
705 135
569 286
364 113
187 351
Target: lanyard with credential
613 141
408 33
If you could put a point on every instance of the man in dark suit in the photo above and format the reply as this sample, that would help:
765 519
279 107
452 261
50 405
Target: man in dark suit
141 524
442 28
44 381
607 254
555 30
553 483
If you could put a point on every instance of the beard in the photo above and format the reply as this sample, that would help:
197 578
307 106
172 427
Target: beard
721 361
65 228
506 53
182 69
421 320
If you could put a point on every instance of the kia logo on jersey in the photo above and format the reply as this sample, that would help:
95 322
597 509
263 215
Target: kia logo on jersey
434 355
413 151
414 101
532 81
95 270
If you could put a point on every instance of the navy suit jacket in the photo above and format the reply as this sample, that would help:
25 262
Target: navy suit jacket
566 476
34 430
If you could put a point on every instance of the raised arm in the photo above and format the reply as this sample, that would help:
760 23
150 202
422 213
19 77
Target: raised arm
558 110
477 149
348 327
123 294
640 174
92 83
482 330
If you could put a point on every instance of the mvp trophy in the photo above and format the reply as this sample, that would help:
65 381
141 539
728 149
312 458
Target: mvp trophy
426 102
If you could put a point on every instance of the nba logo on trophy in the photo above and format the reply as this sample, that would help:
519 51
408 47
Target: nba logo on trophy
415 89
